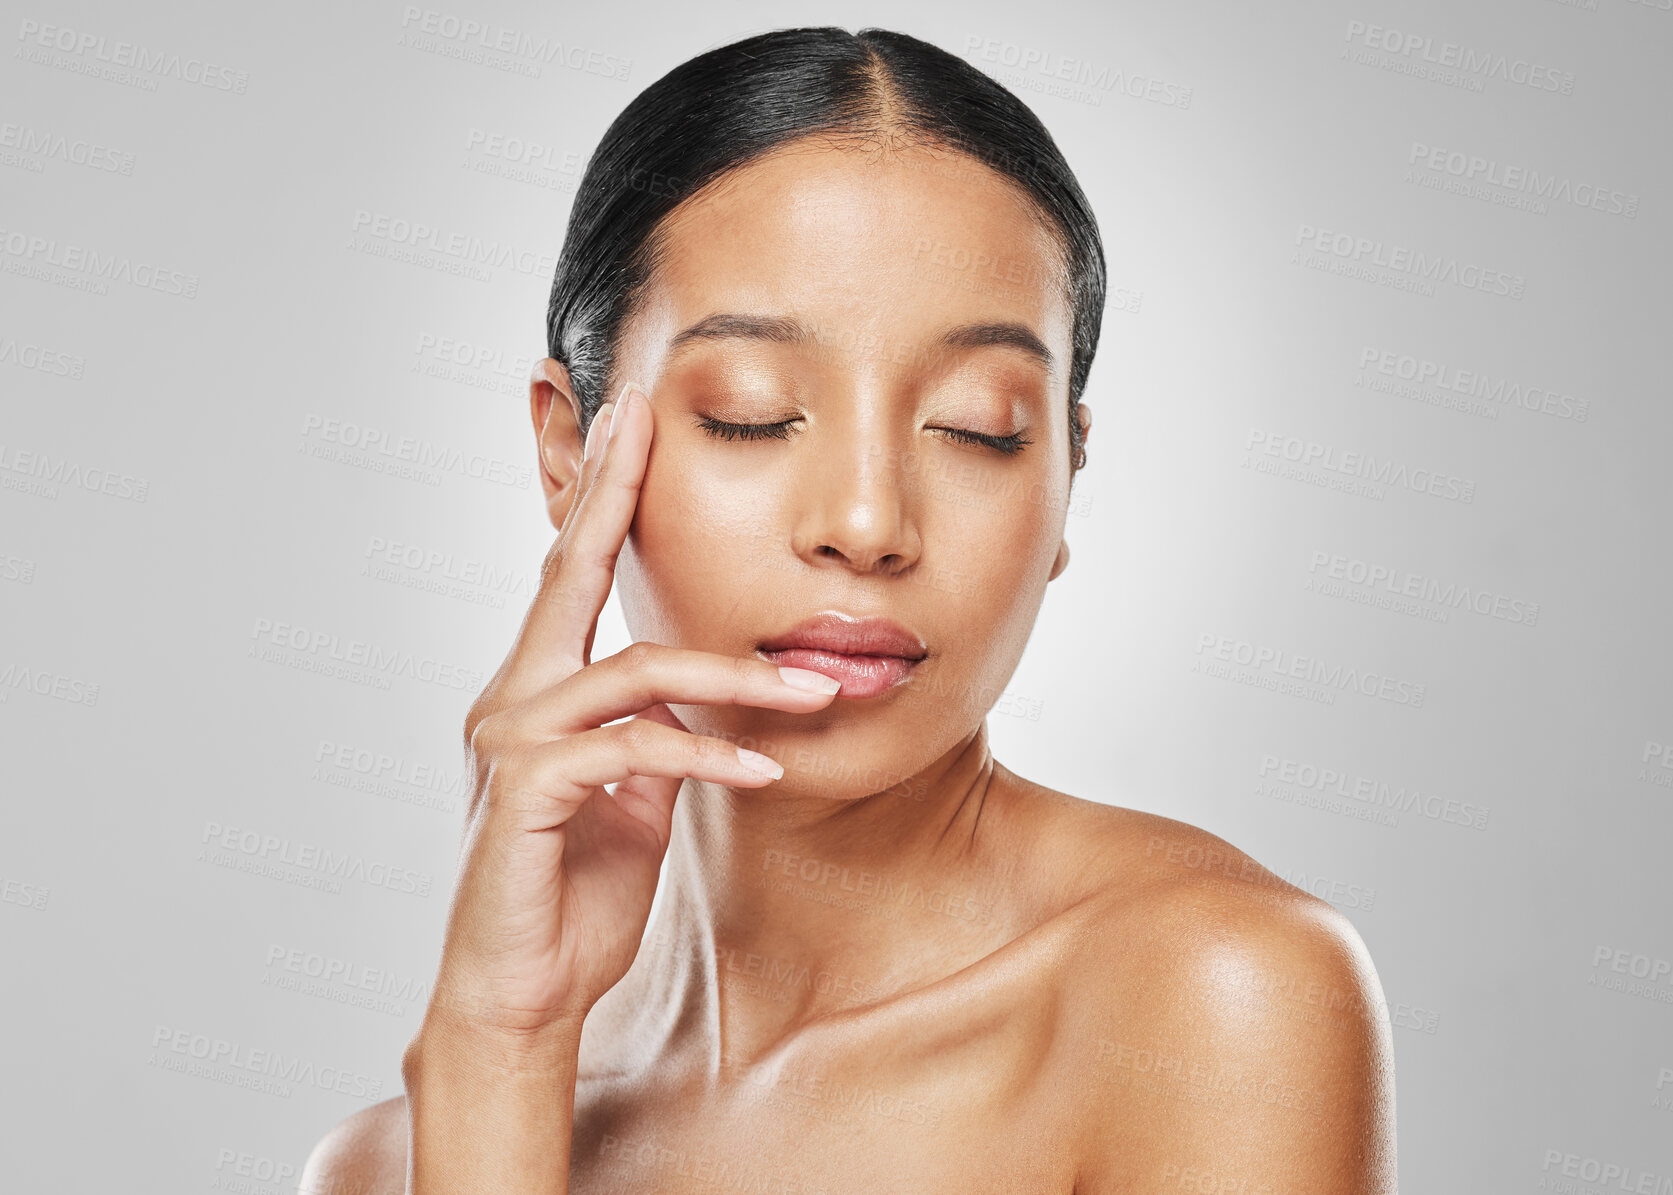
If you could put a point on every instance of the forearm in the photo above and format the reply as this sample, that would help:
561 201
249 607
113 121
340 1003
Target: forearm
490 1111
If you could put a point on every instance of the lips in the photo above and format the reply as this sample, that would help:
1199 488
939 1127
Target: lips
867 655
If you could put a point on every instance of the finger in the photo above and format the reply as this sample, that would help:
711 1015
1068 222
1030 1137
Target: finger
645 674
575 578
661 713
652 797
592 453
598 434
605 512
551 780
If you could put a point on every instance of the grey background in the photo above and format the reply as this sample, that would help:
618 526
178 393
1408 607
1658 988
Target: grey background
173 498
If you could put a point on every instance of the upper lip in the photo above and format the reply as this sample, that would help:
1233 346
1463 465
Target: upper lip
838 632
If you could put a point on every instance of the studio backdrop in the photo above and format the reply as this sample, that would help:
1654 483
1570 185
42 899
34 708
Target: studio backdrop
1370 566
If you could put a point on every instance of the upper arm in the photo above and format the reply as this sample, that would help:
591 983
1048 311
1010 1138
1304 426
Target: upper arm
1259 1061
366 1154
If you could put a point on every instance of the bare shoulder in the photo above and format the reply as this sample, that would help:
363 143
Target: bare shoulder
1153 880
1214 1019
365 1154
1224 942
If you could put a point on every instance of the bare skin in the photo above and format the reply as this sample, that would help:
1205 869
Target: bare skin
898 966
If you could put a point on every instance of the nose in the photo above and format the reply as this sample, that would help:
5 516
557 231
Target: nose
857 503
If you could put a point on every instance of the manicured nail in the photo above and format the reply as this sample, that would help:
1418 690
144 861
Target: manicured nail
807 678
602 414
756 762
629 398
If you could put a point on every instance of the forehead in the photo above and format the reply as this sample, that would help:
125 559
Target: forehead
892 246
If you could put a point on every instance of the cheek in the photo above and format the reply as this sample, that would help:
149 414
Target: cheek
995 554
696 550
1001 540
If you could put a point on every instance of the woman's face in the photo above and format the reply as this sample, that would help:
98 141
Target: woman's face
892 298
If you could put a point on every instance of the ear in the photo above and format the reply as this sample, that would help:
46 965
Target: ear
1083 416
557 429
1062 561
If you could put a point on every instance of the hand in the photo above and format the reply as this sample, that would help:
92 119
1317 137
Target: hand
558 871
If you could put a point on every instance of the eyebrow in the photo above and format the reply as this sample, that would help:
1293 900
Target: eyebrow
786 330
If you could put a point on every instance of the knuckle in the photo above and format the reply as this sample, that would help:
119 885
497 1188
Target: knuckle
635 735
474 718
552 566
714 753
746 672
703 749
493 699
639 657
511 765
508 782
487 736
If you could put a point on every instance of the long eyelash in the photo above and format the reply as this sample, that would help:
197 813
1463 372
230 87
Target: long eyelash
1009 445
747 431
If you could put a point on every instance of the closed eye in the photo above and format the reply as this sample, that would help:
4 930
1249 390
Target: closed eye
746 431
720 429
1009 445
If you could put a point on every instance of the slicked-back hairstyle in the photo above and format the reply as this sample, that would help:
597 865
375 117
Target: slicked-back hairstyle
733 104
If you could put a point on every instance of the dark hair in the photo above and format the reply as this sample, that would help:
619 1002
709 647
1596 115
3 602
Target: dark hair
731 105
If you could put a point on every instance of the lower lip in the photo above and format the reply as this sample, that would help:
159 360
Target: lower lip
861 676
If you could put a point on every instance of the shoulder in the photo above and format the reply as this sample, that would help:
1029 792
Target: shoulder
365 1154
1213 1017
1152 880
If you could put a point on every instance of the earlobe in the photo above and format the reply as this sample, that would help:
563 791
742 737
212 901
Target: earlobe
1062 561
556 414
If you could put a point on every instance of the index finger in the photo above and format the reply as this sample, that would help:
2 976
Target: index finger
575 580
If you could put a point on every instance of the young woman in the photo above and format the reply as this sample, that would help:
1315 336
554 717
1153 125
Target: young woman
820 329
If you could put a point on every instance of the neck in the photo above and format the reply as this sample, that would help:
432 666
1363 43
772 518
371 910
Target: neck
776 910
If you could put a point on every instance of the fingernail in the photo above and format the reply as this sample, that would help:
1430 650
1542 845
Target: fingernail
631 396
807 678
756 762
602 413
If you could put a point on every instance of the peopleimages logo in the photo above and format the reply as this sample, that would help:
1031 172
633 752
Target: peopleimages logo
1523 180
381 451
44 682
874 888
1400 583
1426 268
32 253
45 144
1658 764
1473 383
311 865
1302 776
244 1167
41 360
1602 1173
149 64
446 566
381 774
447 350
523 152
1360 466
47 472
1096 78
327 647
414 234
469 33
1259 659
264 1070
342 980
1480 64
